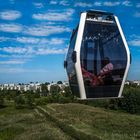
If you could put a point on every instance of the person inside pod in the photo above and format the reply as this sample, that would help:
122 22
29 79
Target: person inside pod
103 78
98 57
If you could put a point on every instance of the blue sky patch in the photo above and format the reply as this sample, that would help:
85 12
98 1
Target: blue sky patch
34 36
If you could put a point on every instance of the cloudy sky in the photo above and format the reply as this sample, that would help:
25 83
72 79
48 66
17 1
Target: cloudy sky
34 36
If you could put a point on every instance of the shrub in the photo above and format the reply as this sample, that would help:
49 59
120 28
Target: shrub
44 89
29 101
1 101
131 100
54 89
62 99
19 102
41 101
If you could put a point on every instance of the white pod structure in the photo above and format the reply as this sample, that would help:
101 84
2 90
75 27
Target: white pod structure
98 57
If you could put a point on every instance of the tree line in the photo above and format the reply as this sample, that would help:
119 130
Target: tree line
130 102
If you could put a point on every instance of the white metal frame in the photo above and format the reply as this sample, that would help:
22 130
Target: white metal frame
78 64
128 56
77 49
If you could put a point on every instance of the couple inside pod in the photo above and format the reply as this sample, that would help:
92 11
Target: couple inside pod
98 57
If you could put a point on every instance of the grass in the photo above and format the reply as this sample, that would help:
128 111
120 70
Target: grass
104 124
67 122
25 124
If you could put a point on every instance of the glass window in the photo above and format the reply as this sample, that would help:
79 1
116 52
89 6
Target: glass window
103 59
71 66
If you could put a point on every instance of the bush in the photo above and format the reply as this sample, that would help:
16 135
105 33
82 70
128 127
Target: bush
44 89
29 101
54 89
131 100
98 103
64 96
62 99
19 102
37 94
41 101
1 102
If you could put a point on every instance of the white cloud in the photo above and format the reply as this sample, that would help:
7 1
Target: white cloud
138 5
127 3
55 15
2 39
11 70
44 30
137 14
33 40
35 30
111 3
27 40
30 51
10 15
19 50
22 56
16 56
53 2
105 3
38 5
43 51
56 41
135 43
13 28
12 62
83 4
21 70
4 56
64 3
135 40
51 23
108 3
97 3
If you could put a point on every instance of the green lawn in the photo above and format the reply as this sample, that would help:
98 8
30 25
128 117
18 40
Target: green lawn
67 122
27 124
101 123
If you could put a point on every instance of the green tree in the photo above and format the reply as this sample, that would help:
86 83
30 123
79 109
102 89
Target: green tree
11 94
1 101
54 89
47 83
131 100
67 91
29 100
59 82
44 89
37 93
19 102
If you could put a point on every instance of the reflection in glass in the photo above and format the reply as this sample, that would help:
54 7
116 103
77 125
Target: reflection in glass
103 59
70 66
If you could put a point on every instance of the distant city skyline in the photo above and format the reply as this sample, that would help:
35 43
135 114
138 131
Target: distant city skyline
34 36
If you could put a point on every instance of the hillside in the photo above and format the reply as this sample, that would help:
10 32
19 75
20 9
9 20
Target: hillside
67 122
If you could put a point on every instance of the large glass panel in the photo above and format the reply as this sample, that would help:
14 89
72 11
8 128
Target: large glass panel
103 59
71 66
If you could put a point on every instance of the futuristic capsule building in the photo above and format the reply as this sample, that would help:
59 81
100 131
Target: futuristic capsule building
98 57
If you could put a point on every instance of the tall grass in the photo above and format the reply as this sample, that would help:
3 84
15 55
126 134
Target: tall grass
97 122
